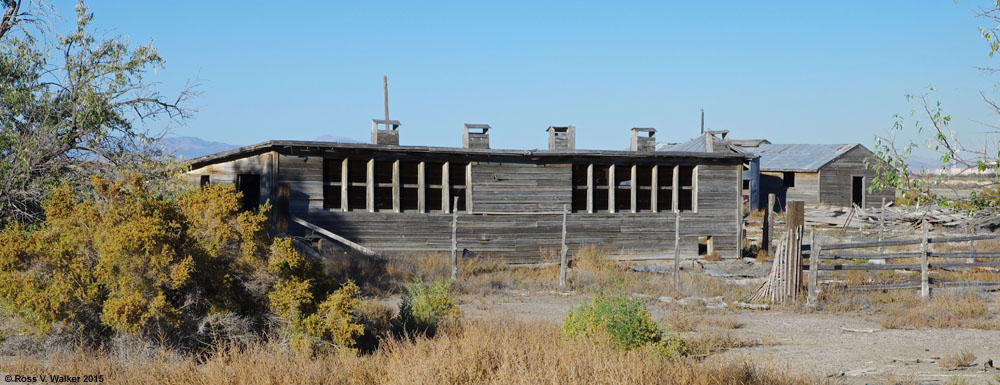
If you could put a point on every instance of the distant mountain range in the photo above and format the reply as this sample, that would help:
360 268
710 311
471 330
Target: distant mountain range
189 147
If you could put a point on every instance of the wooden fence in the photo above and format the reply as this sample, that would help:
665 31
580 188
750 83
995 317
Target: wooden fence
842 252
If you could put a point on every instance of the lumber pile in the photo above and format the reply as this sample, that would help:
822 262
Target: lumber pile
897 217
784 282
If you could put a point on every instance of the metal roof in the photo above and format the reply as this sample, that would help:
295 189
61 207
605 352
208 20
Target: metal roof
697 145
797 157
277 144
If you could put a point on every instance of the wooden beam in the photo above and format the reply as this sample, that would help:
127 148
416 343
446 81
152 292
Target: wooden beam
445 187
468 188
344 185
612 186
395 186
331 235
370 188
694 188
654 194
634 190
676 191
421 188
590 188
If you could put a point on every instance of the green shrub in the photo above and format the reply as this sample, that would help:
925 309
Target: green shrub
425 307
624 321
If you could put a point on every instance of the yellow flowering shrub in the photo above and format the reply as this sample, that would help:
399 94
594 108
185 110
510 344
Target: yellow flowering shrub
132 260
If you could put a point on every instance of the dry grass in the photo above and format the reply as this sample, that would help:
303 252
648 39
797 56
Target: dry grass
716 342
482 352
729 321
681 321
958 360
904 309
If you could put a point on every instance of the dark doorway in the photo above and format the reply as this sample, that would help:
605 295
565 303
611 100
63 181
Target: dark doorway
249 185
858 191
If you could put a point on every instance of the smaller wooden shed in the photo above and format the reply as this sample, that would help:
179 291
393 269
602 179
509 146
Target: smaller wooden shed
834 174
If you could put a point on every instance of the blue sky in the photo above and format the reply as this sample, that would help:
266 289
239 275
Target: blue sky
795 71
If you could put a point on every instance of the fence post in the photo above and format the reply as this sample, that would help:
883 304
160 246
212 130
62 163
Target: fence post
925 287
814 250
677 251
972 243
765 239
562 253
454 241
881 231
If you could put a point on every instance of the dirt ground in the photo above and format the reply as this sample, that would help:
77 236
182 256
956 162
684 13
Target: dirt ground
845 346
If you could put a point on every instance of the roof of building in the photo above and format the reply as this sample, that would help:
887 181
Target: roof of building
749 142
278 144
797 157
698 145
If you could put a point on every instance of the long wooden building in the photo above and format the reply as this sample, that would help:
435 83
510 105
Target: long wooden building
509 203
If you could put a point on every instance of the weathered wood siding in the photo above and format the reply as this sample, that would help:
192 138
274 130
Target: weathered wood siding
511 185
806 188
228 172
835 179
521 186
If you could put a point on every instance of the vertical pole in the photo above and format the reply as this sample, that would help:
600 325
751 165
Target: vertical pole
654 192
281 206
385 88
634 191
454 241
677 251
590 188
396 188
421 188
445 186
562 252
468 188
676 192
703 121
881 230
344 185
814 250
972 243
612 189
925 284
769 223
370 187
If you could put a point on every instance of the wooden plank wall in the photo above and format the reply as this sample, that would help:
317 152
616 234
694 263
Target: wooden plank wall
227 172
524 186
806 188
521 186
835 179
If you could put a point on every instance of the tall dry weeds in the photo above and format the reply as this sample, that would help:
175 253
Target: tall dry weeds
501 351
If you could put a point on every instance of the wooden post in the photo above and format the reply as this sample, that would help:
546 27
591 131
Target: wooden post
590 188
612 189
768 224
677 251
796 214
881 230
281 209
654 193
925 283
562 252
396 188
370 187
972 243
344 186
814 250
421 188
454 241
468 188
634 190
676 192
445 186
